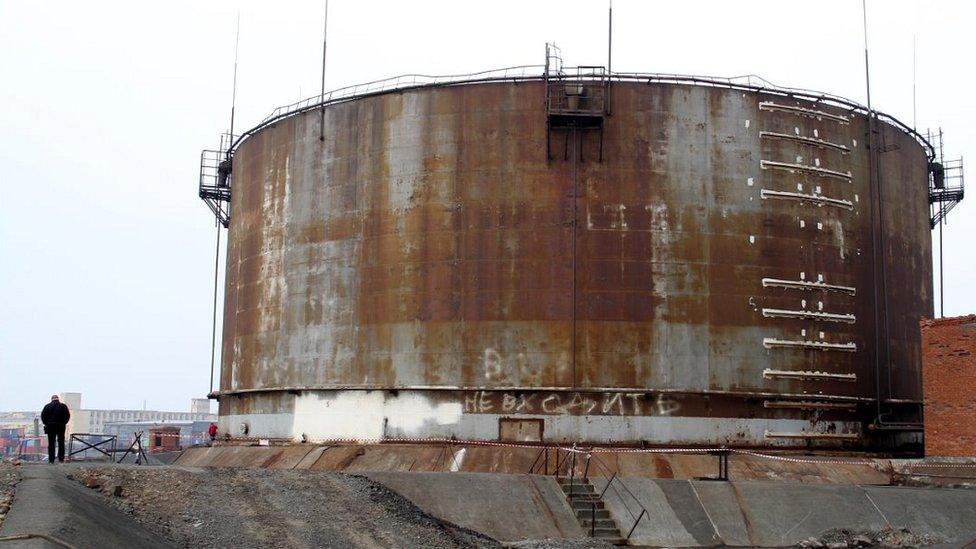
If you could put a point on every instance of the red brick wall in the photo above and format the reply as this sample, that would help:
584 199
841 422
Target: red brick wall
949 385
164 439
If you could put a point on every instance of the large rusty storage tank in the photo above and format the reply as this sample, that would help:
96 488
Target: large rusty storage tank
694 264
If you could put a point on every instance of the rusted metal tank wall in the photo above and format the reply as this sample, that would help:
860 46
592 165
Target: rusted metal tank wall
428 245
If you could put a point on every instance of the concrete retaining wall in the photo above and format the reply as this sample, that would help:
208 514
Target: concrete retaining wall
469 487
505 507
771 514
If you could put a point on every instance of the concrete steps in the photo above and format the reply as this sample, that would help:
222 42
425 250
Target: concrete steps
590 510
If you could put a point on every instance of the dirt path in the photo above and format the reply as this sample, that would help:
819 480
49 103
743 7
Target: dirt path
262 507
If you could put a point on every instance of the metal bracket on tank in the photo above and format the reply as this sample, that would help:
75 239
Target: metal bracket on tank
824 172
811 315
769 373
807 140
807 285
770 106
818 199
772 342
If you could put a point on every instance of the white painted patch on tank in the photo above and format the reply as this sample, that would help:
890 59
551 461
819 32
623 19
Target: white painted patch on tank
369 415
352 415
408 412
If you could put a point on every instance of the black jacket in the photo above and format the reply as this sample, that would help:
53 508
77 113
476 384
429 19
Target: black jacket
55 413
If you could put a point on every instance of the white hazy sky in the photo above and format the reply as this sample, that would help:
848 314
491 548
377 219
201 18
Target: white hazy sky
106 253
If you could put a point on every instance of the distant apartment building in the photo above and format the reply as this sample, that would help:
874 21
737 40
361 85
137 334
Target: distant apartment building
94 421
21 432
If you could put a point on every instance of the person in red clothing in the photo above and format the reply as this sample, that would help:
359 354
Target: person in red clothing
212 430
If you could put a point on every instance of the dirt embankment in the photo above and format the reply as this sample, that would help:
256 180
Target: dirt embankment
9 475
272 508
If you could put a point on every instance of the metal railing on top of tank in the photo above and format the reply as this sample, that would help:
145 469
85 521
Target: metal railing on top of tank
401 82
749 82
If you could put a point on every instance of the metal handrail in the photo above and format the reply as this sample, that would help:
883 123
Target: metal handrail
402 81
610 481
536 72
544 450
570 459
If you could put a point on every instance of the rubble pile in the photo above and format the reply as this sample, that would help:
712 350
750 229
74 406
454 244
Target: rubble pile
886 537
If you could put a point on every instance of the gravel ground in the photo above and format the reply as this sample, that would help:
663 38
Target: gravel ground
886 537
9 475
271 508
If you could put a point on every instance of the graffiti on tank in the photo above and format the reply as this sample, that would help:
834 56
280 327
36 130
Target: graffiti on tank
570 403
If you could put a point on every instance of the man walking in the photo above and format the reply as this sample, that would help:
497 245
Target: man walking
55 416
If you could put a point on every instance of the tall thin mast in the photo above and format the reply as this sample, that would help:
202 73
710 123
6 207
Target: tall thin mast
609 54
914 71
230 146
325 34
233 100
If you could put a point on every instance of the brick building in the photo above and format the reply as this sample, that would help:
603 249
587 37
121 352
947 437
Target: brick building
164 438
949 385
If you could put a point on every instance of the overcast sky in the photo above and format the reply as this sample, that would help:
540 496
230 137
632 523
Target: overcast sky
106 253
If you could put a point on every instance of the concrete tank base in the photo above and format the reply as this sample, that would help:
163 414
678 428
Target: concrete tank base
805 499
460 457
557 416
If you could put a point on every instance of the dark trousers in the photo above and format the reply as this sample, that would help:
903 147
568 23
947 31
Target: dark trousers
55 434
